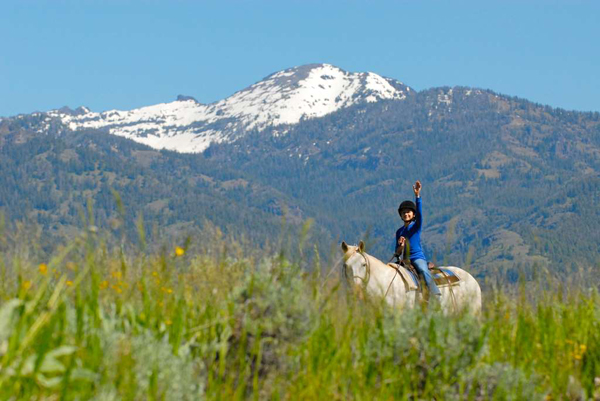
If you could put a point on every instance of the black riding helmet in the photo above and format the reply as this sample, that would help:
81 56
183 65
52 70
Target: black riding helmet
410 205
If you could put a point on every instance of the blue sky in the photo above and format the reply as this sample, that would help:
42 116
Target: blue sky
126 54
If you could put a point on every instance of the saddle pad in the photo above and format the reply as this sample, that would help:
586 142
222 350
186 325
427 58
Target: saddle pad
442 279
413 281
409 278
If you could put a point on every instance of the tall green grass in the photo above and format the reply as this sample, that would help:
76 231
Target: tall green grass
212 319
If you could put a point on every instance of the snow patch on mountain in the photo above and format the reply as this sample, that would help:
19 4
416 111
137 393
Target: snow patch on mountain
282 98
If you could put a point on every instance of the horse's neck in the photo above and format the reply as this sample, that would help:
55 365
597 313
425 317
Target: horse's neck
377 266
383 276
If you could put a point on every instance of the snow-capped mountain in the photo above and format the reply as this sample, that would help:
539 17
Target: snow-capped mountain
284 97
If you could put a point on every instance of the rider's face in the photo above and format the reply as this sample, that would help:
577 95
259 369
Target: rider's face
407 215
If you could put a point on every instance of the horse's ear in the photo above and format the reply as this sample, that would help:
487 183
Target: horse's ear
344 247
361 246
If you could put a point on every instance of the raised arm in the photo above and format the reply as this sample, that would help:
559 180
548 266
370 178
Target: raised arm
419 213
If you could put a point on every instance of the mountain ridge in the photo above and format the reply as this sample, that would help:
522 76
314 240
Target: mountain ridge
282 98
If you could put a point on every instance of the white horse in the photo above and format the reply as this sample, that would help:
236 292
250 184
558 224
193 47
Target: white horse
380 279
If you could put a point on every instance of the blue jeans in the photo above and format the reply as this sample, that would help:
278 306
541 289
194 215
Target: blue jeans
423 269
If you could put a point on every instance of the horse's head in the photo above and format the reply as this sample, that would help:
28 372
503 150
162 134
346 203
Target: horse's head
356 265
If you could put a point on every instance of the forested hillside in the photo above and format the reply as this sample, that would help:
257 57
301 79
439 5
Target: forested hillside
508 184
49 179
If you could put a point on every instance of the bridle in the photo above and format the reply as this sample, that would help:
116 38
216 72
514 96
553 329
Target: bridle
367 265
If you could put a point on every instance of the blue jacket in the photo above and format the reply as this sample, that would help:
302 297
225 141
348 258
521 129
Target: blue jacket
413 234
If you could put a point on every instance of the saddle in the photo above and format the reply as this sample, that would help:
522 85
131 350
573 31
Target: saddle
410 276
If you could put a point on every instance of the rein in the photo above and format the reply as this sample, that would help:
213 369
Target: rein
391 282
367 277
396 256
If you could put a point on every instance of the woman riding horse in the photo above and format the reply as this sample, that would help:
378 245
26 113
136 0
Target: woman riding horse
412 216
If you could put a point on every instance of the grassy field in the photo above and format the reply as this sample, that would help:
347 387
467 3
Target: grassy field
213 319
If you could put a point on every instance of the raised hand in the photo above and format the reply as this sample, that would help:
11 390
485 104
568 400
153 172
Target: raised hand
417 188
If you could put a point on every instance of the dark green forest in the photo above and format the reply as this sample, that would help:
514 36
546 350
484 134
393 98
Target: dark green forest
509 185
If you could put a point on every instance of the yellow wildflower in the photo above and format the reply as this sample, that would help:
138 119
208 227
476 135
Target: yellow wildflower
579 351
104 285
43 268
26 285
179 251
69 283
